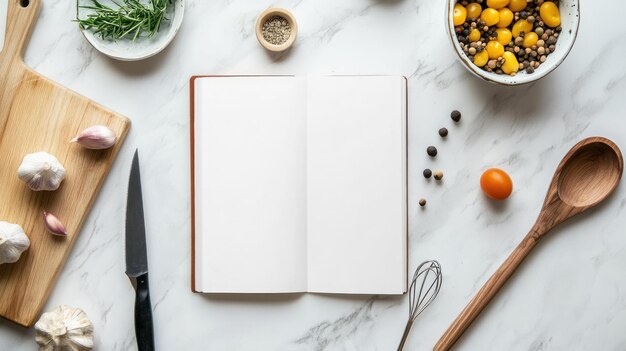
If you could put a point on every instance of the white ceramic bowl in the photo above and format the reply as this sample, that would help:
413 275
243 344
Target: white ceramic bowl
570 18
143 48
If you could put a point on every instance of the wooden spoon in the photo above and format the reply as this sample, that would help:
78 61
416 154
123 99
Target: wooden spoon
586 176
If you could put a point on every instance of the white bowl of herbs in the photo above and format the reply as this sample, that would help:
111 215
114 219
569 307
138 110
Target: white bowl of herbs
130 30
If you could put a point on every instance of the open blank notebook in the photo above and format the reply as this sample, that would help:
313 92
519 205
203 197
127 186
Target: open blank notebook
299 184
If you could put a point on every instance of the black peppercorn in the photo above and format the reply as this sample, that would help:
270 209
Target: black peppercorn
432 151
455 115
422 202
443 132
427 173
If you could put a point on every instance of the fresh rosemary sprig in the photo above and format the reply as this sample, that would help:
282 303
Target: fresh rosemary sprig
130 19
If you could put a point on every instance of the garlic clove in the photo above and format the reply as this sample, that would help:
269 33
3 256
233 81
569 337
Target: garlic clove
96 137
13 242
41 171
53 224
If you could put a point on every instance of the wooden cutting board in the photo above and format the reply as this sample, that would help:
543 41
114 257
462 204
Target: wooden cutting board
37 114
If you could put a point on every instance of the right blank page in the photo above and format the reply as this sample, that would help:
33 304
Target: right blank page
356 192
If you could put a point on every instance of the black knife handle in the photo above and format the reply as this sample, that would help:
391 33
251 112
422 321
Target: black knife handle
143 315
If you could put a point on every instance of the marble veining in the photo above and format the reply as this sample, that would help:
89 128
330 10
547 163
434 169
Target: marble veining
570 294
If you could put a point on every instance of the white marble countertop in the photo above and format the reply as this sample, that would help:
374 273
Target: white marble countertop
569 295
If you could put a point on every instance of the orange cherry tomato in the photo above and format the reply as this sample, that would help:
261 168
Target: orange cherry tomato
496 184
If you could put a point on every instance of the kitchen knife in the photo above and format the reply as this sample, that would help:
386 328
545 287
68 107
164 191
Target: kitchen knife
137 259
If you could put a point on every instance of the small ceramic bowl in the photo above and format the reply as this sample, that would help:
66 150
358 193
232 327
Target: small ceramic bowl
570 18
269 13
142 48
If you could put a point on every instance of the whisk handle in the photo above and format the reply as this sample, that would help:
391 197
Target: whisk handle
405 335
487 292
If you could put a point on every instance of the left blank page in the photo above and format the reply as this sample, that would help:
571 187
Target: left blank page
250 179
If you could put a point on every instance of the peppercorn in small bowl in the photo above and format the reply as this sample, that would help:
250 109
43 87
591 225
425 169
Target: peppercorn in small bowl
507 41
276 29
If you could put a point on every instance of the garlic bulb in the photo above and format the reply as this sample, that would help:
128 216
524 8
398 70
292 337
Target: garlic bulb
64 329
41 171
13 242
96 137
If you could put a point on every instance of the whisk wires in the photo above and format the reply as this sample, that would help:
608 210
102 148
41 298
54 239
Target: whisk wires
423 290
420 299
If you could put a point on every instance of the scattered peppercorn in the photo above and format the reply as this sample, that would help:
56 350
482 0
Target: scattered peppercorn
422 202
438 175
427 173
443 132
455 115
432 151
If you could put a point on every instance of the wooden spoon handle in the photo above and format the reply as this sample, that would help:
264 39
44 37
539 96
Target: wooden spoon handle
487 292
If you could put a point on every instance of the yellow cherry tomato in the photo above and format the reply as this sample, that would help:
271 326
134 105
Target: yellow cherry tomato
481 58
496 184
490 16
550 15
506 17
530 39
504 36
474 35
517 5
497 4
459 15
521 26
473 10
495 49
510 65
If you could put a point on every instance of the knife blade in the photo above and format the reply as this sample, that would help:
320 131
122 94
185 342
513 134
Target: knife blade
137 259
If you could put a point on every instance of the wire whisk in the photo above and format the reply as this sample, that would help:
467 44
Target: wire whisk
424 288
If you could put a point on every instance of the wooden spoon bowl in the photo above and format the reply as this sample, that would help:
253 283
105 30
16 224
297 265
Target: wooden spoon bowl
586 176
590 175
